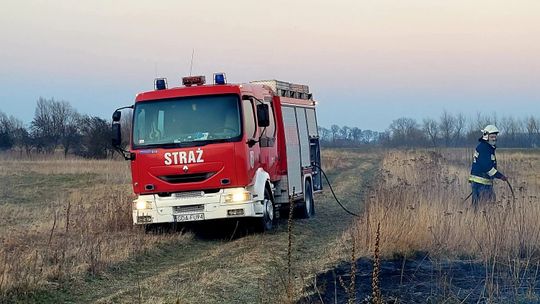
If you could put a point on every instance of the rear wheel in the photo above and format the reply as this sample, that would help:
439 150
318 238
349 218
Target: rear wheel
307 207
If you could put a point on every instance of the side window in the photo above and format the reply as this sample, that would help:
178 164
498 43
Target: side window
271 129
249 118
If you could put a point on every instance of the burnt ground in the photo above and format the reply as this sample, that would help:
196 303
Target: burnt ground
420 279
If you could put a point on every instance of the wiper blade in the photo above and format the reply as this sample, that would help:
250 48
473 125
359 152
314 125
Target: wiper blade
198 143
184 144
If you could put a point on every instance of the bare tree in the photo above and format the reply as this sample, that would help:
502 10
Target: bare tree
8 125
369 136
324 134
22 140
356 134
459 128
95 137
431 129
54 123
335 130
405 132
345 133
510 129
533 130
447 125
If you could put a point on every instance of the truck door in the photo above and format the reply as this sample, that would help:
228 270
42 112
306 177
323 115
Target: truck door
268 143
250 131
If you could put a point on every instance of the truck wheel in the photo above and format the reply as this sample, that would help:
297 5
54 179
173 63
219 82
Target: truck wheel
266 222
307 207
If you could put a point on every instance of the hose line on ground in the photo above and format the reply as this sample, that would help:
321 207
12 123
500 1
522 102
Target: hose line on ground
354 214
333 193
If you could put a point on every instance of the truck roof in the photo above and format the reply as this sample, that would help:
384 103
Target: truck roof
256 90
289 93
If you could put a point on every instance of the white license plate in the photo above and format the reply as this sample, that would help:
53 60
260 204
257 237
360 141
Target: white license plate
190 217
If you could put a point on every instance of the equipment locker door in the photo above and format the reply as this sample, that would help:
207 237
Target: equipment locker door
294 175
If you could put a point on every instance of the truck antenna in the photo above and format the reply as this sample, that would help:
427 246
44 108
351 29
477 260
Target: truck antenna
191 65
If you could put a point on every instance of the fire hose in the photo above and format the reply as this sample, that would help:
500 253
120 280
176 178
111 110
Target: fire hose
333 193
354 214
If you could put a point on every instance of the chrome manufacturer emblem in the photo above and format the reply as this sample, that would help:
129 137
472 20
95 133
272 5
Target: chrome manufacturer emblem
185 168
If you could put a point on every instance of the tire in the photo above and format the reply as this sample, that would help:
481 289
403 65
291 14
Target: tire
307 207
267 221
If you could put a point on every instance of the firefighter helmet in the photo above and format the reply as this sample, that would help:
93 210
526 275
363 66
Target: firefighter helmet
490 129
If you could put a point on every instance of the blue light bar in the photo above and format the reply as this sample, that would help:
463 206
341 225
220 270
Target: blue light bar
219 78
160 84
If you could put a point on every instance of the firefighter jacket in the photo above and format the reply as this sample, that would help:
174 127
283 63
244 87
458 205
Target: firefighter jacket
484 166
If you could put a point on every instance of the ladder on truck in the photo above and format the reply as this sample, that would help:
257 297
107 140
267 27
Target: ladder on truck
286 89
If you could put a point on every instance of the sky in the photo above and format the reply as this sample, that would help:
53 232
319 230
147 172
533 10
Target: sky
366 62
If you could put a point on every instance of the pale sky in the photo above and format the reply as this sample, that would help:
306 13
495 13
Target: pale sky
367 62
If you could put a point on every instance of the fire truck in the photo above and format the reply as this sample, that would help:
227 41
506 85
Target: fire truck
222 151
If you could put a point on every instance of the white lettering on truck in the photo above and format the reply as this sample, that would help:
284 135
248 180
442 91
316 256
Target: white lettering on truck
183 157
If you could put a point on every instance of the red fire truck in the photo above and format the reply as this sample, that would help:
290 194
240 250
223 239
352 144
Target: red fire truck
203 152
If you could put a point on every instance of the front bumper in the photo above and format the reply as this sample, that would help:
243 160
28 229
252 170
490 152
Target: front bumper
193 206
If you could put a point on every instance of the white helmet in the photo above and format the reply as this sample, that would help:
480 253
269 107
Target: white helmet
490 129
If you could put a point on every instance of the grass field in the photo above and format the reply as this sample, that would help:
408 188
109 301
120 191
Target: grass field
67 237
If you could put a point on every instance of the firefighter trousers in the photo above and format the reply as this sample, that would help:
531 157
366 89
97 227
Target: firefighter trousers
482 194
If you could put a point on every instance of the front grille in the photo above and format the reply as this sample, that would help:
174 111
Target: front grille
186 178
187 209
187 194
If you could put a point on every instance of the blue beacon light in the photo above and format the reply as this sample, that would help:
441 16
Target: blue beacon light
160 83
219 78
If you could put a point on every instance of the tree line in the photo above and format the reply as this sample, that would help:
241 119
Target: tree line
58 126
448 130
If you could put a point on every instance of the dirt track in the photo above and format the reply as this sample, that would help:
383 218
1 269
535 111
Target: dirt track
210 267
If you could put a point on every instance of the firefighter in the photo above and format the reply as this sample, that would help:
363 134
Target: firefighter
484 167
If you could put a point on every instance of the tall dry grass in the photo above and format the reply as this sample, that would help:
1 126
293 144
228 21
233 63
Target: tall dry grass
419 201
79 231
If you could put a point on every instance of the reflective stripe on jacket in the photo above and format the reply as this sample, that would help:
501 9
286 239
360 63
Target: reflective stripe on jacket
480 180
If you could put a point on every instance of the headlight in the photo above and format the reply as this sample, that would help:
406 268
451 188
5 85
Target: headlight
236 197
140 205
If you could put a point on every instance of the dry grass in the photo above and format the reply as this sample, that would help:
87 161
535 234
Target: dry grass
71 257
64 219
419 203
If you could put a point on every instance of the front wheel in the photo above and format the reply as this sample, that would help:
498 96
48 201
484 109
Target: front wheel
267 221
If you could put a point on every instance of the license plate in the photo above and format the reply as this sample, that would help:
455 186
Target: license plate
190 217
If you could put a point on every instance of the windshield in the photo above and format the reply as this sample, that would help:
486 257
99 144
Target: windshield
186 121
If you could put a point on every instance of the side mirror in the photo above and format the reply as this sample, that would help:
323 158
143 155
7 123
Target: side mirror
116 116
251 142
263 115
116 134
